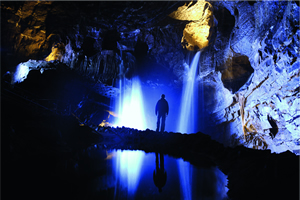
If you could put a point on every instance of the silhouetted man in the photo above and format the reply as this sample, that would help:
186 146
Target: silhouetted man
159 174
161 110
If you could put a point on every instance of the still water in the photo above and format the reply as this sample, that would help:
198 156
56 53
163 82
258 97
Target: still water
96 173
140 175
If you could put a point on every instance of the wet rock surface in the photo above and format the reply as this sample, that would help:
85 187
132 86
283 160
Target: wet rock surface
272 88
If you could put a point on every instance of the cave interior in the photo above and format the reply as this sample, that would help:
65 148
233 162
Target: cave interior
80 81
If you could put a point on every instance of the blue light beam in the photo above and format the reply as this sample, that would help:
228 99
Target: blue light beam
130 107
127 164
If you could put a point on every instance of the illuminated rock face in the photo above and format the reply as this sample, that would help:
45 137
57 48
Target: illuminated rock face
263 113
57 53
26 29
197 33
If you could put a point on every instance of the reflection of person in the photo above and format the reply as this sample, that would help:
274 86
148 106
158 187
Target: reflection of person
161 110
160 177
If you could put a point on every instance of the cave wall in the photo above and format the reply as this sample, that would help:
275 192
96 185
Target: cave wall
249 71
96 36
264 112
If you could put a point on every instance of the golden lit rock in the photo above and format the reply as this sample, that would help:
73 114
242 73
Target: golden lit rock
195 35
198 32
57 52
109 155
105 122
27 30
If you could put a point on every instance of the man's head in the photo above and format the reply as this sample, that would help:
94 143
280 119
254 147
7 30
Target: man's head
163 96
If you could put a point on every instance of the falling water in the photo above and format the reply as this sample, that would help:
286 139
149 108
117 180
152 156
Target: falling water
130 107
189 98
187 123
127 164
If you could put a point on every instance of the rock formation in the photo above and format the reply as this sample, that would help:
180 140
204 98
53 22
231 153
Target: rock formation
263 53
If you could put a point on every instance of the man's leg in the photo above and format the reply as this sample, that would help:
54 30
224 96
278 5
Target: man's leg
158 122
156 162
163 123
161 162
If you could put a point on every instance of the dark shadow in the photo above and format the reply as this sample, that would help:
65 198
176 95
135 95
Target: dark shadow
159 174
88 46
274 129
110 39
237 74
226 21
251 3
140 50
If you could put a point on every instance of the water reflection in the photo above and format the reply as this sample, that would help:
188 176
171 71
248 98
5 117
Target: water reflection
127 166
159 174
185 173
132 182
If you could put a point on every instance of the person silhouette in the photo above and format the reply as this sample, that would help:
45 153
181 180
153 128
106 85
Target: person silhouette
161 110
159 174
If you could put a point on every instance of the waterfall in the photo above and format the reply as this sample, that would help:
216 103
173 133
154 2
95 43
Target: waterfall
130 109
187 123
130 106
188 108
127 164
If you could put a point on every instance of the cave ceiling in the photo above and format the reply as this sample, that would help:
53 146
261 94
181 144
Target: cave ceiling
143 31
51 22
150 32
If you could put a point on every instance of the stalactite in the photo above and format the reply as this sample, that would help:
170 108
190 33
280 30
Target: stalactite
242 105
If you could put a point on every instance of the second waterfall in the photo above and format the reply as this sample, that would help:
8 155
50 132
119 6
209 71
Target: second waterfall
187 123
188 108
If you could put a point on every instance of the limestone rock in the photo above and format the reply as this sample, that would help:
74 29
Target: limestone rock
270 118
197 33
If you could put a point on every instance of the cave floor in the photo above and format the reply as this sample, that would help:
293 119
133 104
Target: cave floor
33 154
